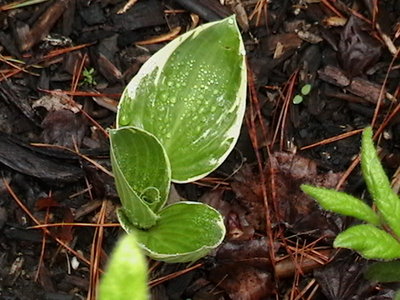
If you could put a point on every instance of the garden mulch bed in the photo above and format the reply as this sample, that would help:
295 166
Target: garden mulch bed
63 66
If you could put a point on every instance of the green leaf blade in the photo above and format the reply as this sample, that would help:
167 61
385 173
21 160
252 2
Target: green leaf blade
126 275
186 231
191 96
378 183
143 190
342 203
369 241
388 271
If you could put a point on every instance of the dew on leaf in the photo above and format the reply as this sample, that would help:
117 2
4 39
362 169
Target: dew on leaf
124 120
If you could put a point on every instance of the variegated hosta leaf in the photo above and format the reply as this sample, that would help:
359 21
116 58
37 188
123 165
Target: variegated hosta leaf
185 231
191 96
126 275
342 203
142 174
378 183
370 241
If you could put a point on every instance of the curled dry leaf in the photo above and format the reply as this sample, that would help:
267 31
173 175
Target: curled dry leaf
341 279
358 50
64 128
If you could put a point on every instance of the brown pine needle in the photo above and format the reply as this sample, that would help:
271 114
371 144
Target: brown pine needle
41 259
161 38
97 165
32 217
153 283
333 139
74 224
95 255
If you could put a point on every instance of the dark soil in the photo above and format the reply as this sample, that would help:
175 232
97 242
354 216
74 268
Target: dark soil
279 243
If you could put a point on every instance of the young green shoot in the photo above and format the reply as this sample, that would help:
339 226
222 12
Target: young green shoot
305 90
378 237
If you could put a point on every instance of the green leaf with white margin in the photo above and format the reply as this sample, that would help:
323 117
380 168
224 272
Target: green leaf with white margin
142 174
370 241
191 95
126 274
185 232
378 183
342 203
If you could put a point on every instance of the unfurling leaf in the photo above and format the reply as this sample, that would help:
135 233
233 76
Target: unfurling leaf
185 231
142 174
191 95
378 183
126 276
369 241
342 203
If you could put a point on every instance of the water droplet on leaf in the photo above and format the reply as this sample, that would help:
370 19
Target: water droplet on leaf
124 120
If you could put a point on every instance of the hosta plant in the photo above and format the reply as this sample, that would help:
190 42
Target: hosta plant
177 121
379 236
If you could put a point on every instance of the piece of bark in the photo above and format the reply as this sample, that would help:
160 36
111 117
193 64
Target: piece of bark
43 26
368 90
9 44
287 268
33 164
209 10
288 41
334 76
361 87
108 69
141 15
14 96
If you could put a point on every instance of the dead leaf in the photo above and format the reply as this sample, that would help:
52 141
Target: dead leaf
55 102
342 279
64 128
295 209
358 50
46 202
248 189
242 282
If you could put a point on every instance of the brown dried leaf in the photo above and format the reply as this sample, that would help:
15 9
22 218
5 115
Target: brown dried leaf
243 282
248 190
253 252
64 128
358 51
342 279
293 208
46 202
64 233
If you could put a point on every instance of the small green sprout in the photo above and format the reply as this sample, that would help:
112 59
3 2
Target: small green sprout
88 77
371 239
305 90
177 121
